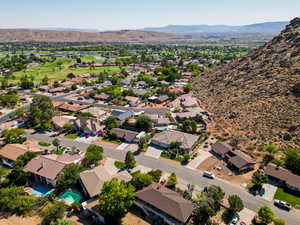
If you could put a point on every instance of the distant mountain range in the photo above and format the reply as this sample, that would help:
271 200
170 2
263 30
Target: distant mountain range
36 35
268 27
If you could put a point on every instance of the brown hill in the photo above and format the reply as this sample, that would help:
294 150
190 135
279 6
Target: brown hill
27 35
256 99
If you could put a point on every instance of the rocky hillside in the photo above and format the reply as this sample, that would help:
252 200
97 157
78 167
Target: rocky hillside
255 100
27 35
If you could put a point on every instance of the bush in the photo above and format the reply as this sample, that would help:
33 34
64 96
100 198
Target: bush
279 222
156 175
52 212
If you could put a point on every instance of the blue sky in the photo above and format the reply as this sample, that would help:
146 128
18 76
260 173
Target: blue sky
126 14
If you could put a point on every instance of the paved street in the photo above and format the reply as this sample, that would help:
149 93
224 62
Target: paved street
192 176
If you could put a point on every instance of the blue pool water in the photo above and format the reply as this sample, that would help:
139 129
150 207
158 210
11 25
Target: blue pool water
71 196
40 191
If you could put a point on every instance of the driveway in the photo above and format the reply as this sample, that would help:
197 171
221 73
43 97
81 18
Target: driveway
246 215
202 156
153 152
270 190
122 146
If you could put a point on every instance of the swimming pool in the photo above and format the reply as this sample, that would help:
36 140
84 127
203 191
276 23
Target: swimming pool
70 196
41 191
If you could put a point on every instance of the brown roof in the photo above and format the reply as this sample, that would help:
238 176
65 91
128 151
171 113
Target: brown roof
221 148
13 151
167 201
94 179
71 108
90 124
126 134
240 159
167 137
60 121
44 167
283 174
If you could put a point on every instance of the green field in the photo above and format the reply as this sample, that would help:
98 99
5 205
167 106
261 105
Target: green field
59 69
282 195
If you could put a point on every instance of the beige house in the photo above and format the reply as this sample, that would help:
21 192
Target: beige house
164 139
93 180
170 206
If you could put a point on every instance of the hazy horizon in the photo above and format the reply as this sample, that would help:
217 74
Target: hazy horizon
136 14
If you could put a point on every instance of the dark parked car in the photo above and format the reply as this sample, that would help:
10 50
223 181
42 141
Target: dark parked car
283 205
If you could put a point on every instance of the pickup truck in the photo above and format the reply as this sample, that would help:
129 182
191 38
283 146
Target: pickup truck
283 205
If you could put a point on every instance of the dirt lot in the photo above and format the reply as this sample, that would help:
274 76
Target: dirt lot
13 220
220 169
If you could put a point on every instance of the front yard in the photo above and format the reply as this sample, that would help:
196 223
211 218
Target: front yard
72 136
289 197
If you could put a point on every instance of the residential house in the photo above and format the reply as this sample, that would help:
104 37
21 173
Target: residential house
284 176
55 90
10 152
182 116
44 170
164 139
140 91
121 114
235 158
160 99
133 101
102 97
188 101
168 205
97 112
88 125
59 121
126 135
71 107
93 180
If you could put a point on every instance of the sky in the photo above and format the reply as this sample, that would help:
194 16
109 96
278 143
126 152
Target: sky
133 14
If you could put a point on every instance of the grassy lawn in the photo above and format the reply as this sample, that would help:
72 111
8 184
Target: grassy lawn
44 144
112 140
56 72
72 136
119 164
166 156
288 197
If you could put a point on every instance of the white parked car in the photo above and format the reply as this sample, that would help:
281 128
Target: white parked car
209 175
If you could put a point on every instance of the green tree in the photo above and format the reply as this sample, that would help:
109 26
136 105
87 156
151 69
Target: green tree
61 222
265 215
40 113
53 212
143 142
172 181
67 127
258 179
189 126
10 99
271 149
93 155
216 193
141 180
56 142
45 80
235 203
115 199
22 160
111 122
292 160
14 136
16 200
188 88
143 123
130 161
69 175
156 175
